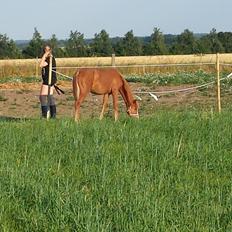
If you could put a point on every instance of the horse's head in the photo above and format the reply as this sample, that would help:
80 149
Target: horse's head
133 109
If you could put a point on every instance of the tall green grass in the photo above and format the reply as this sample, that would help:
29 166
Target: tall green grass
167 172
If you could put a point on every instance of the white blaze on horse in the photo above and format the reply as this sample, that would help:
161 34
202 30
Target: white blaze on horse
103 82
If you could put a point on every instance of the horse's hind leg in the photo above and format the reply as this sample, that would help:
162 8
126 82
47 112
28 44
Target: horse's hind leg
105 103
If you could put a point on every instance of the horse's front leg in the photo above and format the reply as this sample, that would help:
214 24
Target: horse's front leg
115 103
104 105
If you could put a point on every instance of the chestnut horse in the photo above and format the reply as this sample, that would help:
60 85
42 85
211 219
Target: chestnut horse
103 82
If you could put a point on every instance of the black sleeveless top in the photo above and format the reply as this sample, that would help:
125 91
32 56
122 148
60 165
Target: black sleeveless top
45 72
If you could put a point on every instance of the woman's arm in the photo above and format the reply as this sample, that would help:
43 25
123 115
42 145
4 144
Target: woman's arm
43 62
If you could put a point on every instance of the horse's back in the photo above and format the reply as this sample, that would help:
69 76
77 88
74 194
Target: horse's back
107 75
99 81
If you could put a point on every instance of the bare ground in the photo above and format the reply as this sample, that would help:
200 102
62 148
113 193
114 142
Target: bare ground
19 100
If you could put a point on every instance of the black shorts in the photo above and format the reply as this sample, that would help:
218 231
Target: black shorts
53 81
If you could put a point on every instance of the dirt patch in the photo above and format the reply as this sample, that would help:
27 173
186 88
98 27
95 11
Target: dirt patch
22 100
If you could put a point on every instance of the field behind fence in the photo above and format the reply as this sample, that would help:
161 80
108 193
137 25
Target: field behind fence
126 65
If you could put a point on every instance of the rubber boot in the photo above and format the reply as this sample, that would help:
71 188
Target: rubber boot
53 111
44 110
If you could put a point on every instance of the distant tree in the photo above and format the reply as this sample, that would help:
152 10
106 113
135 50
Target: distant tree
156 45
216 45
129 45
8 48
226 41
76 46
118 48
101 45
35 46
54 43
169 40
211 43
204 45
185 43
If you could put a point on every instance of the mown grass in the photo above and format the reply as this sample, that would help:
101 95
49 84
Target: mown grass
167 172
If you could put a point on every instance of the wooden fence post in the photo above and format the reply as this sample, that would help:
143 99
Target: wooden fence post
113 60
144 70
218 83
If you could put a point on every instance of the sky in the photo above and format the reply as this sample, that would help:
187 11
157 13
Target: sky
19 18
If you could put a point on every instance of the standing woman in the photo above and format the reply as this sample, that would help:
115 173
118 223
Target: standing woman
44 64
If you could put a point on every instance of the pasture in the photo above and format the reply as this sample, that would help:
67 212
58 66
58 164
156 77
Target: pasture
167 172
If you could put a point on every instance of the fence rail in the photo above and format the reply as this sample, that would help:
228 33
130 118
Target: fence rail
126 65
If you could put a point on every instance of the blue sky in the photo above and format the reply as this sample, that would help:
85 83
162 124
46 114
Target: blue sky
18 18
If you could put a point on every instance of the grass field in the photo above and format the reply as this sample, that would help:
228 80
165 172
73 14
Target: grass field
166 172
29 67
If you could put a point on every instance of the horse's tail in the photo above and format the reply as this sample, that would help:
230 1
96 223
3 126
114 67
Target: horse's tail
76 87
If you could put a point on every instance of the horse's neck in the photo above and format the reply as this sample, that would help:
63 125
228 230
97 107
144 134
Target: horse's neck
127 94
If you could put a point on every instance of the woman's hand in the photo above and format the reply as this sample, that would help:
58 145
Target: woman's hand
47 54
43 63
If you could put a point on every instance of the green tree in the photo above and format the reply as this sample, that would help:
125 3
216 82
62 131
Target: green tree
57 50
8 48
185 43
35 47
101 45
76 46
129 45
211 43
156 45
215 43
226 41
204 45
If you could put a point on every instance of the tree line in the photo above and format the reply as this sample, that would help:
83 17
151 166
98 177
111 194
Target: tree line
130 45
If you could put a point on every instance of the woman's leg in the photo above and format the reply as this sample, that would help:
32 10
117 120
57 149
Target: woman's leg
44 101
44 90
52 106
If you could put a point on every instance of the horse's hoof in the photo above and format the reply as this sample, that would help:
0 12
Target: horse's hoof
77 120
